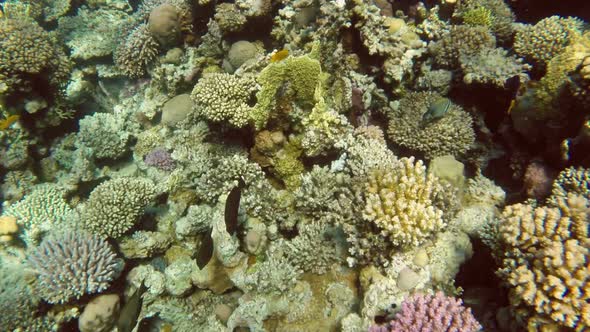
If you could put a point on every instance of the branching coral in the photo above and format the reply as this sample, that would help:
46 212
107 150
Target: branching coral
547 250
461 40
452 134
72 264
29 56
547 38
116 205
400 201
571 180
221 97
495 14
137 52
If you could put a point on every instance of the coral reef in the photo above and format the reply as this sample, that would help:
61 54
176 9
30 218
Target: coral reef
135 54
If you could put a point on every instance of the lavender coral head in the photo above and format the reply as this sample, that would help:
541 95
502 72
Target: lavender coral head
72 264
160 159
433 313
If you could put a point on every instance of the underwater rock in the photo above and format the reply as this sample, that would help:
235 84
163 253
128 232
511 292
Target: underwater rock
100 314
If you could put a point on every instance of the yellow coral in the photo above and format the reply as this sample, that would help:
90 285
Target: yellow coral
546 263
400 202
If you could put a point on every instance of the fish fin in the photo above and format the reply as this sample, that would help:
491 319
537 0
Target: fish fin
512 103
232 207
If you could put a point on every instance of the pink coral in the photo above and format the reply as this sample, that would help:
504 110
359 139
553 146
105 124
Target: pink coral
433 313
538 180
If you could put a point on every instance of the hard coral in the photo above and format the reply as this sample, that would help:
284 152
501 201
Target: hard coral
116 205
28 57
72 264
136 52
221 97
545 264
452 134
461 40
164 24
547 38
429 313
400 201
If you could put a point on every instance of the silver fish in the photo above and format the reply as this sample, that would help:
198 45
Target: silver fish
437 110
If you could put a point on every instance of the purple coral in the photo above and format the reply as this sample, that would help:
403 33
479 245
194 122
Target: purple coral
160 159
71 264
432 313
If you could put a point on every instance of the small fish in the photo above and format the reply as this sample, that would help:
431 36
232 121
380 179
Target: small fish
279 55
130 311
232 207
4 124
436 110
206 250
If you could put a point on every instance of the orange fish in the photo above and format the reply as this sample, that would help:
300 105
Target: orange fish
279 55
8 121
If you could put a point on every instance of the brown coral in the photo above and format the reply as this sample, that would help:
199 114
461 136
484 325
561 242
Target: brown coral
164 24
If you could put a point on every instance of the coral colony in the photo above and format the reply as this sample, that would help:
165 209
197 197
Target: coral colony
294 165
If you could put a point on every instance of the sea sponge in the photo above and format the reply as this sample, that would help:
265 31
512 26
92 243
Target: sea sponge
29 57
452 134
164 24
221 97
546 39
545 261
460 40
400 201
137 52
72 264
115 206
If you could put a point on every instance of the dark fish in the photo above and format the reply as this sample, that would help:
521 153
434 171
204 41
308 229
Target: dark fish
130 311
232 207
206 250
437 110
514 86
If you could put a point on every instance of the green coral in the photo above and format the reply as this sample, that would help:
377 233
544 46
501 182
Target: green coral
478 16
288 166
116 205
294 78
221 97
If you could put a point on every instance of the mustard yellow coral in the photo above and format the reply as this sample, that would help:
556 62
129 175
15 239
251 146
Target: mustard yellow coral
400 201
546 261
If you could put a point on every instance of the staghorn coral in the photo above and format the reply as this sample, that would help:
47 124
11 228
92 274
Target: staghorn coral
221 97
427 312
29 56
400 201
546 39
72 264
453 134
137 52
460 40
115 206
492 66
545 261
